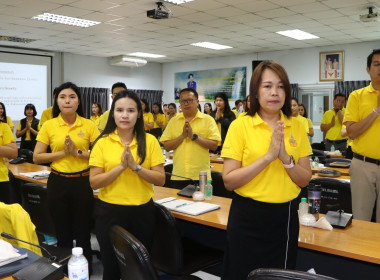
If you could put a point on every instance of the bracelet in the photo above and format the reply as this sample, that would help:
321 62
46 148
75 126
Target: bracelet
374 110
290 165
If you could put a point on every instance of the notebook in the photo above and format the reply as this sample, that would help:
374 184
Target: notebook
189 207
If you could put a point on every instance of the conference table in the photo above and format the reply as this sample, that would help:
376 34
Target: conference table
359 242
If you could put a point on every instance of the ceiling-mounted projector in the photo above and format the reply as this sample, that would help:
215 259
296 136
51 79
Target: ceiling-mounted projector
370 17
158 13
123 60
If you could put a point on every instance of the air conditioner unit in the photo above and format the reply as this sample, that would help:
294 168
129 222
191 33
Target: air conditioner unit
123 60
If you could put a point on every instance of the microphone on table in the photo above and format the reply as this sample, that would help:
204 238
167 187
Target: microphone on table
10 236
189 189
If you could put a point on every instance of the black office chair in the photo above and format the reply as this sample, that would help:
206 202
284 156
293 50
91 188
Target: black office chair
320 154
35 203
26 154
175 255
284 274
336 194
168 168
133 258
218 185
318 146
342 160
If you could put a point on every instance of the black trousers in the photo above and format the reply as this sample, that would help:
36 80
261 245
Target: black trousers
6 192
71 204
139 220
260 235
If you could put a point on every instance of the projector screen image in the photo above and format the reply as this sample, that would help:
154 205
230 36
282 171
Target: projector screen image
24 79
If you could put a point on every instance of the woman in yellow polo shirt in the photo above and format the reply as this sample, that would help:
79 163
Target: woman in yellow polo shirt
302 111
70 196
159 120
295 114
8 149
27 128
97 112
4 118
266 164
148 116
125 162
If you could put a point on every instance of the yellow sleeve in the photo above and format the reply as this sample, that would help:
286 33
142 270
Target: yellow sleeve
352 109
103 120
150 118
325 118
233 146
43 135
213 130
9 122
96 156
8 136
19 125
169 132
157 157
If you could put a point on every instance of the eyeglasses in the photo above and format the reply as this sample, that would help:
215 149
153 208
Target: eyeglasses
187 101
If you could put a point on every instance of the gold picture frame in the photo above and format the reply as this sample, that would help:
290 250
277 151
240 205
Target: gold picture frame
331 66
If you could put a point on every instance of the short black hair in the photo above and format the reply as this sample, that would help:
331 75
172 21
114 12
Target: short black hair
191 90
339 95
118 84
75 88
30 106
369 58
237 102
190 75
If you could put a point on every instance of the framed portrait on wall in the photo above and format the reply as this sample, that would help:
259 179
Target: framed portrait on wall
331 66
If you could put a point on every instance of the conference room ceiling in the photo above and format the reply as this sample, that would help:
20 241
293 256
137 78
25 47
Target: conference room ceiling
248 26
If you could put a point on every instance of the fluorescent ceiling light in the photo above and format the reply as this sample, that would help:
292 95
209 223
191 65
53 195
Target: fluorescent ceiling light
150 55
65 20
209 45
297 34
177 2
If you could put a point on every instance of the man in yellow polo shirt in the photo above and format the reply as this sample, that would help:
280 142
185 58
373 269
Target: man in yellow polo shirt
47 114
116 88
332 124
363 126
191 135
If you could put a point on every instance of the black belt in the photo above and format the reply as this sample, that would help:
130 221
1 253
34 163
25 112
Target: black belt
84 173
367 159
337 141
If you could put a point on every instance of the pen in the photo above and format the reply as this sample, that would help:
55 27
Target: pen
183 204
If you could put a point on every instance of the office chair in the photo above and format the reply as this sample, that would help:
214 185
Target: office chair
342 160
320 154
318 146
284 274
26 154
336 194
175 255
218 185
133 258
168 168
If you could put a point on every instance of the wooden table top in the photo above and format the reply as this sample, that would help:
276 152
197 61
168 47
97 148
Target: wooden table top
344 171
25 168
216 159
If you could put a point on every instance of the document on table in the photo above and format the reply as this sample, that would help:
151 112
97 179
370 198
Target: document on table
187 206
43 174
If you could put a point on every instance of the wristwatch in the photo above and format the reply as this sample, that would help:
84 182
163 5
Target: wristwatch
138 168
195 137
79 153
290 165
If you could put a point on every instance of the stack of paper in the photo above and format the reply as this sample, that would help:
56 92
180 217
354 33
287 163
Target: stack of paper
188 206
44 174
9 254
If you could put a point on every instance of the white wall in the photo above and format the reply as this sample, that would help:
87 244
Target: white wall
302 65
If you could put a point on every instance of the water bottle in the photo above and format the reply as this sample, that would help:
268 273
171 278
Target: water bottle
332 149
316 162
208 190
202 180
311 162
303 207
314 193
78 265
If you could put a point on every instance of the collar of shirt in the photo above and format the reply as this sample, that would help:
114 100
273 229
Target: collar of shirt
371 89
115 137
199 115
257 120
61 122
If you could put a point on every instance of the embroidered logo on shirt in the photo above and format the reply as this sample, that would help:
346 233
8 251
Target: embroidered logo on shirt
80 134
292 141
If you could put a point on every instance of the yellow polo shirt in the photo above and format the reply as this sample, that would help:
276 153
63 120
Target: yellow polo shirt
82 132
46 115
103 120
128 188
333 133
167 118
248 139
235 112
148 118
6 137
310 124
160 118
27 134
304 122
360 103
242 114
189 158
96 119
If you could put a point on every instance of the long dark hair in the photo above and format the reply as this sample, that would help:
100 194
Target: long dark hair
146 105
159 108
304 109
227 108
3 118
75 88
138 130
256 82
209 104
99 106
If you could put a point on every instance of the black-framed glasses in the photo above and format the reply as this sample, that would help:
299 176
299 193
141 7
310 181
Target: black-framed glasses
187 101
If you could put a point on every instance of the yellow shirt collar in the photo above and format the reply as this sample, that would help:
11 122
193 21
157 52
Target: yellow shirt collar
199 115
78 121
115 137
257 120
371 89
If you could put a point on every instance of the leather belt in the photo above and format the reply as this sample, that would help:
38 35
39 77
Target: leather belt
72 175
367 159
337 141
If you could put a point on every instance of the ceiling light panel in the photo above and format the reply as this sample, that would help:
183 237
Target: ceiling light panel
297 34
65 20
209 45
178 2
149 55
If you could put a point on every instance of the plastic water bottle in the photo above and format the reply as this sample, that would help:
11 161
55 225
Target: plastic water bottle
78 265
316 162
303 207
208 190
332 149
311 162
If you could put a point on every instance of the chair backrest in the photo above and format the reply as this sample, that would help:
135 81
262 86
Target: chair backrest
35 202
132 257
336 194
284 274
218 185
26 154
320 154
318 146
168 168
166 256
